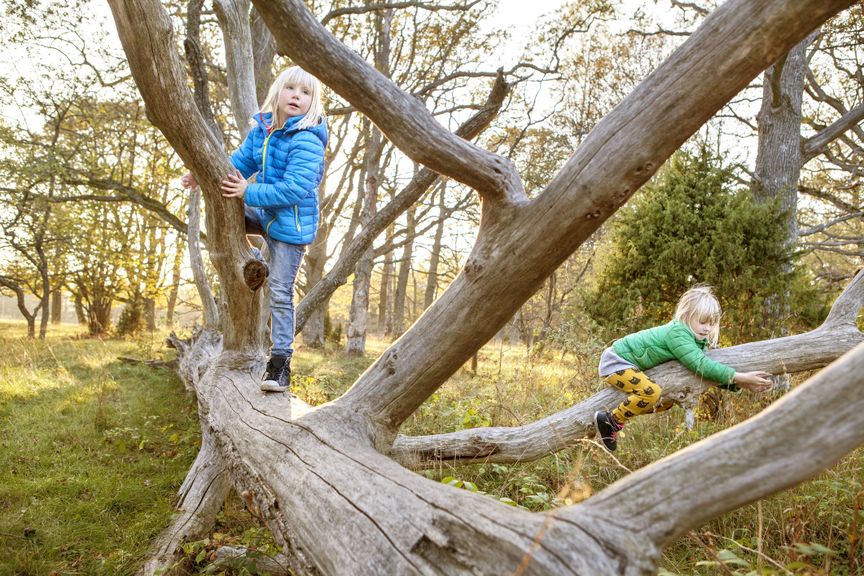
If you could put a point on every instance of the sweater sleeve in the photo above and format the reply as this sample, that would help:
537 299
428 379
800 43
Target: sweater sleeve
243 158
683 345
303 169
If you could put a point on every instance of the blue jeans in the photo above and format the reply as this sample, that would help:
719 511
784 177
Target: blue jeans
285 260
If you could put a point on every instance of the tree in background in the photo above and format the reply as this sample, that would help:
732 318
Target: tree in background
692 224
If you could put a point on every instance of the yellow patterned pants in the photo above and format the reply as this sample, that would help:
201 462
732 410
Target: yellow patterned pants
642 394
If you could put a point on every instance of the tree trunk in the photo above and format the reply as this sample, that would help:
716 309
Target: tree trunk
358 319
435 256
778 157
316 257
174 291
56 306
233 18
385 326
358 510
263 52
401 295
150 314
80 313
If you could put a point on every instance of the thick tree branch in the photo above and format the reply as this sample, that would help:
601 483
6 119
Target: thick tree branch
401 117
556 432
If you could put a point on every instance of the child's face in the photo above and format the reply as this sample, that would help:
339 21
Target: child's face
294 99
700 327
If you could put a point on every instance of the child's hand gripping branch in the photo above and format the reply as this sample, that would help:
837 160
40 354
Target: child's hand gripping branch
695 326
754 381
234 185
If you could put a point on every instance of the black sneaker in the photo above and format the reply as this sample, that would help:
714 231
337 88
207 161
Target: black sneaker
278 375
607 429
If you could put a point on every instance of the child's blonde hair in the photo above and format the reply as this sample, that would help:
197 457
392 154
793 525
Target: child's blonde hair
294 75
699 303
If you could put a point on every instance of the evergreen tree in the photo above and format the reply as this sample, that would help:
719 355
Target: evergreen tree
691 225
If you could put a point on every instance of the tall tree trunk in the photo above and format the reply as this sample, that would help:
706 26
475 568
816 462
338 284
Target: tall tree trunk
358 317
174 290
435 256
56 306
778 158
316 256
80 312
385 325
401 295
150 314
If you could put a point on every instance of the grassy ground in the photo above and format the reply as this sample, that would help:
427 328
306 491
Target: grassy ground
92 451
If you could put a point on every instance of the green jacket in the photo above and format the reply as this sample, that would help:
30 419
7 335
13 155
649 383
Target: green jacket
673 341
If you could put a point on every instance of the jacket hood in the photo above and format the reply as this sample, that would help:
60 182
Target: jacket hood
264 119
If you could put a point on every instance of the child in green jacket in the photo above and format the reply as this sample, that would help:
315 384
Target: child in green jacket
695 326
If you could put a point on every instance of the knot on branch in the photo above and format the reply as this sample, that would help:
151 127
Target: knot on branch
254 274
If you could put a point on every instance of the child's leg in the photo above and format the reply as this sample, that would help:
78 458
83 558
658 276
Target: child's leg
642 393
285 260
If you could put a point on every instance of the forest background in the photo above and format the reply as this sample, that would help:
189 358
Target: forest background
95 223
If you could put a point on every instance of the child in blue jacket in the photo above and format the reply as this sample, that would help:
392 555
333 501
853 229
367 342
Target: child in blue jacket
285 150
695 326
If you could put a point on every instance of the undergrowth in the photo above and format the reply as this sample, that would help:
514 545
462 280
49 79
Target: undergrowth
93 451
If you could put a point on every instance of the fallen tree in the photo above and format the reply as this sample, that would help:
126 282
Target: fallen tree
320 477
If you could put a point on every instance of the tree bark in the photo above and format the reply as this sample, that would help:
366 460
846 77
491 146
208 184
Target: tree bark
234 22
431 291
359 510
385 324
358 318
56 306
401 294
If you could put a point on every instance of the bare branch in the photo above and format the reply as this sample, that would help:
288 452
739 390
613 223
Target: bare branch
828 197
404 119
814 145
352 10
822 227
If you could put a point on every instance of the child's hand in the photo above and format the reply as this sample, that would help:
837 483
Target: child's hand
234 185
754 381
188 180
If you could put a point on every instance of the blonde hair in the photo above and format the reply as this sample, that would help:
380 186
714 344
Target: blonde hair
294 75
699 303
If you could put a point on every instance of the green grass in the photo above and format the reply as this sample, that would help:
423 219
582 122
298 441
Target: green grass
92 451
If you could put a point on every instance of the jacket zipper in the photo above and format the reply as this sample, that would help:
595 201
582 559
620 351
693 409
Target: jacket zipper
264 156
297 217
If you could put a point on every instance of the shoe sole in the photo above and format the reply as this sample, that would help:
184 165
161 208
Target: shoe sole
274 387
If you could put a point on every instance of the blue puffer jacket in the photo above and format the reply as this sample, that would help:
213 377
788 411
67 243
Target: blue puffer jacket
290 165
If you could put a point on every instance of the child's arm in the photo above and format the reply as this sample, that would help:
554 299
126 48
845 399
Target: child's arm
301 178
685 349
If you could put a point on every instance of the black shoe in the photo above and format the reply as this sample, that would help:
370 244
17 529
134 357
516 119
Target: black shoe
278 375
607 429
